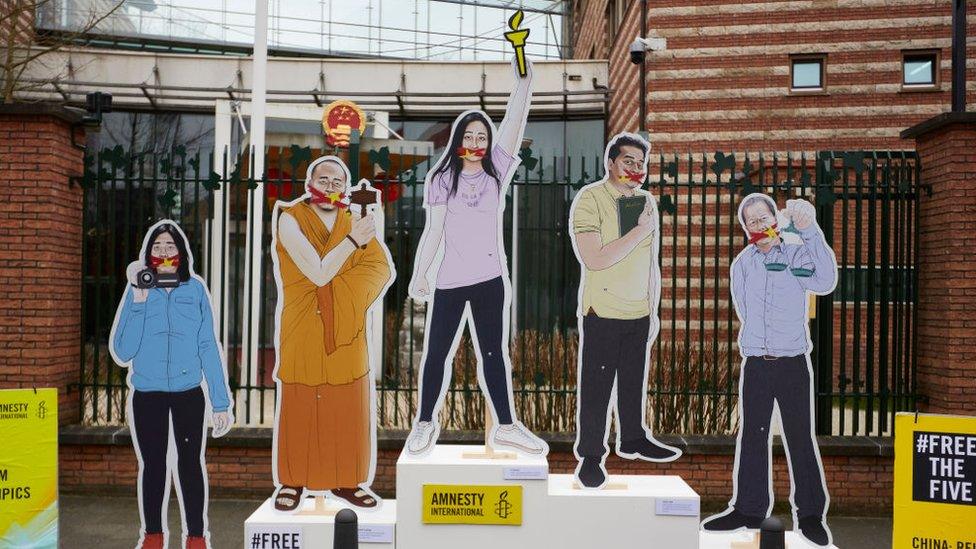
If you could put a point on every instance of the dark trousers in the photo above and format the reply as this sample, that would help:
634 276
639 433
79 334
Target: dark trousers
612 349
151 412
487 301
786 382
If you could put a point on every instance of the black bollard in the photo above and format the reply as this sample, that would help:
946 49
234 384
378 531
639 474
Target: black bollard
771 534
346 530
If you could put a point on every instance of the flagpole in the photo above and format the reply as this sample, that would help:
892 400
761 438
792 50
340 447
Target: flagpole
254 238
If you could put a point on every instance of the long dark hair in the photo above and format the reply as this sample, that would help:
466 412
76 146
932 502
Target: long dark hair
451 163
183 271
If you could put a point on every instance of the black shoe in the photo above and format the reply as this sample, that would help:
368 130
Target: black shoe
814 530
591 473
730 521
647 450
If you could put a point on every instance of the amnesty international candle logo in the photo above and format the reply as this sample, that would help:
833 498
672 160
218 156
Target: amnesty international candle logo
503 508
935 481
477 504
29 468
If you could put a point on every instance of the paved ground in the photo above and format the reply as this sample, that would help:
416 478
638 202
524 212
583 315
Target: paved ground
110 523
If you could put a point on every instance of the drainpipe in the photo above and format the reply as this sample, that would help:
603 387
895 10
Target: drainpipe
958 56
643 72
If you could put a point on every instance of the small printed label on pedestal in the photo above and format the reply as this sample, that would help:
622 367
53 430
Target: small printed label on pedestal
273 537
537 472
680 507
375 533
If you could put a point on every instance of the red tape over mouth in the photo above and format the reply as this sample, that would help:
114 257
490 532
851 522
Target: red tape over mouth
318 197
156 261
771 232
636 177
464 152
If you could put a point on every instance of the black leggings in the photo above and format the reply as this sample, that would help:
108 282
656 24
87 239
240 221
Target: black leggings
487 301
151 411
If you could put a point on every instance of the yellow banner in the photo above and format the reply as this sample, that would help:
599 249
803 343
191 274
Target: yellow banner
29 468
463 504
935 482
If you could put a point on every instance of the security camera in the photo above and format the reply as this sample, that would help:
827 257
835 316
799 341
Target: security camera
96 103
637 52
640 46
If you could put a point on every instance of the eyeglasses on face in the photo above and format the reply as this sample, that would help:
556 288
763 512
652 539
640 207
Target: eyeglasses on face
337 183
756 223
160 250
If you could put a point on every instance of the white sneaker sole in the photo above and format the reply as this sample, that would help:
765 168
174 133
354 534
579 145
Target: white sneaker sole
518 447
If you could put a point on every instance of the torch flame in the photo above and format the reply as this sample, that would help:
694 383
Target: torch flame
515 20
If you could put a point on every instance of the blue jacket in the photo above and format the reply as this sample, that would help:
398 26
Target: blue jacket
170 342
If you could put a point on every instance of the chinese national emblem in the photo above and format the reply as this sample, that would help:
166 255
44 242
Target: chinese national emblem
339 120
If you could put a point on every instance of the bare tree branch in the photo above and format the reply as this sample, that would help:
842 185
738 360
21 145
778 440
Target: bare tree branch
25 46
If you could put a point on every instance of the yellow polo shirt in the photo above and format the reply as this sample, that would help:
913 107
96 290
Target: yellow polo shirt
621 290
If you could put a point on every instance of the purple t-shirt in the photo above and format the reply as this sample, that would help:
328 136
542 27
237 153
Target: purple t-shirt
471 252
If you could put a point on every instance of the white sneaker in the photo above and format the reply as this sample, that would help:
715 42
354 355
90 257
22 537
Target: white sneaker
422 438
518 438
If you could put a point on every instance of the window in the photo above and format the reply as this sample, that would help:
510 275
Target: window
612 21
807 73
920 69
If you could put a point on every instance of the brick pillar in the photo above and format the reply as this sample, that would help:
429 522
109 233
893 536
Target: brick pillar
946 328
40 252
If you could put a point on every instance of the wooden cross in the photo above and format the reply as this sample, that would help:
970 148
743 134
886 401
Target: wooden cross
364 195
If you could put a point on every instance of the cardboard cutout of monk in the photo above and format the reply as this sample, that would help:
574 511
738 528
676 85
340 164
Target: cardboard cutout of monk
330 269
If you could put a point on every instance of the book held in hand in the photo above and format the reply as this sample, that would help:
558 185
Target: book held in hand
629 209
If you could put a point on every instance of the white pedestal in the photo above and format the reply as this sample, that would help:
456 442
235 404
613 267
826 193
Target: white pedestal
712 540
555 514
377 529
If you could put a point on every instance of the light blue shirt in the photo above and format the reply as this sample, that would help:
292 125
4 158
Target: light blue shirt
170 342
772 305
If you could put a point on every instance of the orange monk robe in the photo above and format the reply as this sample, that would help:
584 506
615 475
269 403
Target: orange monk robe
324 421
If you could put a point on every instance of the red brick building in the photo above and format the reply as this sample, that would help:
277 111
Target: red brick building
724 81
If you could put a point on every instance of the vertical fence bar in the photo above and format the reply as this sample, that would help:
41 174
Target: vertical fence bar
844 288
883 325
858 293
716 252
872 270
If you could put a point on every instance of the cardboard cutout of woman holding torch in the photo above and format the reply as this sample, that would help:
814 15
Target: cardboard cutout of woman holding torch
464 195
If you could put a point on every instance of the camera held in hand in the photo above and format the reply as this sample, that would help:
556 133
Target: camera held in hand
149 278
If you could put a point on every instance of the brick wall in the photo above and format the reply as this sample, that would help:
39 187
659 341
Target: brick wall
859 477
590 27
723 82
40 243
947 288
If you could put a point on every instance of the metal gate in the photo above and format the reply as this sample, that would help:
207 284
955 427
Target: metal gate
863 333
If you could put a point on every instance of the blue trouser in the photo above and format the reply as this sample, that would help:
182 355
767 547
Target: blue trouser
151 411
784 381
487 301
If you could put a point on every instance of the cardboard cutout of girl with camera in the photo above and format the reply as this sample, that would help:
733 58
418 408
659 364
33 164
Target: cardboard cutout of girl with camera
164 333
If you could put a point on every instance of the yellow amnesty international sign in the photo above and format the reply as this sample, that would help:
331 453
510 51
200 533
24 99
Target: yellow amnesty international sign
29 468
463 504
935 482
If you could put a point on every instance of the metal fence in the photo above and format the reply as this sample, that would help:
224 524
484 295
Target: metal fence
863 334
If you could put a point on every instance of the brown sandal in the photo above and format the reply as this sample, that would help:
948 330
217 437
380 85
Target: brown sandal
359 497
288 498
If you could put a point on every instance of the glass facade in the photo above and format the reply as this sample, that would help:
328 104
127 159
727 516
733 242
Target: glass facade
159 132
410 29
